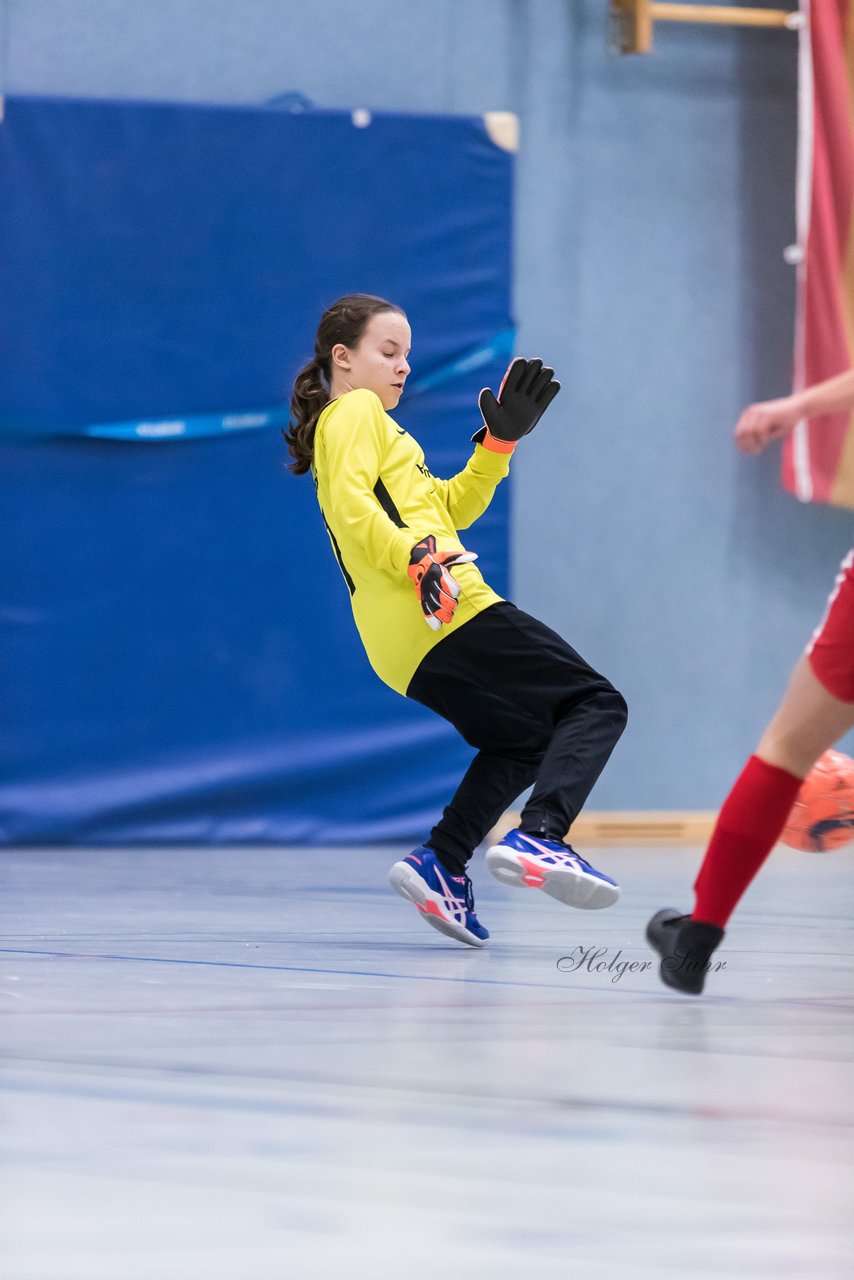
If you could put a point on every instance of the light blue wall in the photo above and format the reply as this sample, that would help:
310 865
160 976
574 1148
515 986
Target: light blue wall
655 197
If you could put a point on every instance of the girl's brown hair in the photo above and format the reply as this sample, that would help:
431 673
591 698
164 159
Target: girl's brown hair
345 322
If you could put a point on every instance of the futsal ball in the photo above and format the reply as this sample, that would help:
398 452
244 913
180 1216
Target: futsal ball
822 817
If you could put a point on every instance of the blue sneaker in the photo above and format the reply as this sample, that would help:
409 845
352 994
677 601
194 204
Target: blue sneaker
536 863
445 901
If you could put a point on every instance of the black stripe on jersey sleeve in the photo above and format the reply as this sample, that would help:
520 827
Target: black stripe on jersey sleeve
384 498
351 586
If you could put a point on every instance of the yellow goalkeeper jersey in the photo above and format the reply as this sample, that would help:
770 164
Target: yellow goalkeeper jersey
378 498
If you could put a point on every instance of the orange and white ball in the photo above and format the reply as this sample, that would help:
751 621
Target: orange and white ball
822 817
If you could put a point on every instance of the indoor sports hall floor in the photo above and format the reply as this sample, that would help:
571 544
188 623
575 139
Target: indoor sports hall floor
260 1064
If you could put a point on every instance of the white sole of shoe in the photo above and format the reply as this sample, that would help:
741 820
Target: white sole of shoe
575 888
409 885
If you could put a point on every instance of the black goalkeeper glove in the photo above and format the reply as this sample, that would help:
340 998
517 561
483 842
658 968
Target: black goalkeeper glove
525 393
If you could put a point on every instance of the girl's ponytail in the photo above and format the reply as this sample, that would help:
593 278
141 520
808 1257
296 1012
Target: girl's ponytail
308 401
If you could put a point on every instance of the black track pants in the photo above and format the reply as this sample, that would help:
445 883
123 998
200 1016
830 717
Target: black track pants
537 714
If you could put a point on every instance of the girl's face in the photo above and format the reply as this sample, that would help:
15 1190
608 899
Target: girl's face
379 363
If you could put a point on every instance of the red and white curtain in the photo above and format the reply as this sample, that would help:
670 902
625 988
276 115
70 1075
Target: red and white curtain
818 460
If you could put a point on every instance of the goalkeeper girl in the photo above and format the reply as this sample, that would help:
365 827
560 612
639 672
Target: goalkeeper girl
435 631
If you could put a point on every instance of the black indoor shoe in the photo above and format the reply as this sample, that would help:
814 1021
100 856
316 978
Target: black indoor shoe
685 946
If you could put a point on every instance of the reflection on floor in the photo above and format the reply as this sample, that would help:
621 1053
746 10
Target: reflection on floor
261 1064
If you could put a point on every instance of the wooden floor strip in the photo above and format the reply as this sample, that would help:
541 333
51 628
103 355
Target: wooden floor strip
650 827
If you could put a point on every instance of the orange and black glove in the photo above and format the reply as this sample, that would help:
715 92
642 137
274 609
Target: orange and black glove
436 589
526 391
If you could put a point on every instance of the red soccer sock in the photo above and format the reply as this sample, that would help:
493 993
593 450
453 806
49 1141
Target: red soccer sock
748 826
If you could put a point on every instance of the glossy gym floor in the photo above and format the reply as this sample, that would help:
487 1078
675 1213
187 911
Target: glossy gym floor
261 1063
